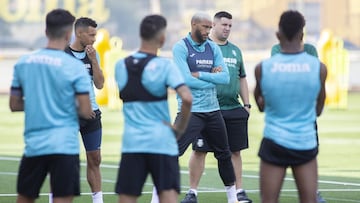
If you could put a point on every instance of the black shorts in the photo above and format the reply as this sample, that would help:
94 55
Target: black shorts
135 167
64 173
91 132
211 127
278 155
236 122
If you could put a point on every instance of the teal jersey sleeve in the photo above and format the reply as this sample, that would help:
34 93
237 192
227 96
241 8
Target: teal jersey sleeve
275 49
242 72
310 49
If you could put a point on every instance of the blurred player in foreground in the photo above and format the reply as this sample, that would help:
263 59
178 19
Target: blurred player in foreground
149 140
290 89
53 89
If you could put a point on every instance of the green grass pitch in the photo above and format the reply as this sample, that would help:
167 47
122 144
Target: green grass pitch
339 162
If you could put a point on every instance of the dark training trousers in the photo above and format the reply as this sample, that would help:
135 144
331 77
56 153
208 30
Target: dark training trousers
212 128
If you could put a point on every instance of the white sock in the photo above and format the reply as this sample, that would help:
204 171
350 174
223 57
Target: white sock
155 197
193 191
97 197
231 193
50 197
239 190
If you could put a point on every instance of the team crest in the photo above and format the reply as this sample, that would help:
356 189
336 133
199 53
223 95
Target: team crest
234 52
200 143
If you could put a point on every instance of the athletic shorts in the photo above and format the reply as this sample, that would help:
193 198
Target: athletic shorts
211 127
135 167
64 171
236 122
278 155
91 132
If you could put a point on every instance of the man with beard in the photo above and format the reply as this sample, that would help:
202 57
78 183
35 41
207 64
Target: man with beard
202 66
234 113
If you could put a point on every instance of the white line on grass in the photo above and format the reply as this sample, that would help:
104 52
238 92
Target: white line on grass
320 181
8 173
4 158
187 172
203 190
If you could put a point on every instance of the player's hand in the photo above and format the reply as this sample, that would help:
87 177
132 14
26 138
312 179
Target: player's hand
93 115
260 103
247 109
195 74
178 132
216 69
91 52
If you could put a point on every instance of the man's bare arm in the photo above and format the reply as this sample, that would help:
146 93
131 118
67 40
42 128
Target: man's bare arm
322 94
84 106
185 112
16 103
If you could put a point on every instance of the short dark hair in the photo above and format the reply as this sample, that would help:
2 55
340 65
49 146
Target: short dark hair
291 22
85 22
57 22
223 14
151 25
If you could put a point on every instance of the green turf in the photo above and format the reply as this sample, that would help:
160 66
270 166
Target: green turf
339 163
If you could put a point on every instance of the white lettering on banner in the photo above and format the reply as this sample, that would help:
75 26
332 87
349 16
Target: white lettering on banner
34 11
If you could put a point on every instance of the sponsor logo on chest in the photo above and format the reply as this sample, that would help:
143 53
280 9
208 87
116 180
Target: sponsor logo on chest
204 62
230 62
88 67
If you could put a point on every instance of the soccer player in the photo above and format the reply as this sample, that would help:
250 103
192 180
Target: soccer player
310 49
291 105
52 88
235 115
149 140
202 65
90 129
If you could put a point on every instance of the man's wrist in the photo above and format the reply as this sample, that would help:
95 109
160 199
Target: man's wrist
94 61
247 106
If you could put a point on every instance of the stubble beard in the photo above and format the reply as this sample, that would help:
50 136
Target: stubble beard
199 36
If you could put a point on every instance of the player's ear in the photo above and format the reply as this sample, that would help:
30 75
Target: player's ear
193 24
68 35
278 35
77 32
46 33
162 39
